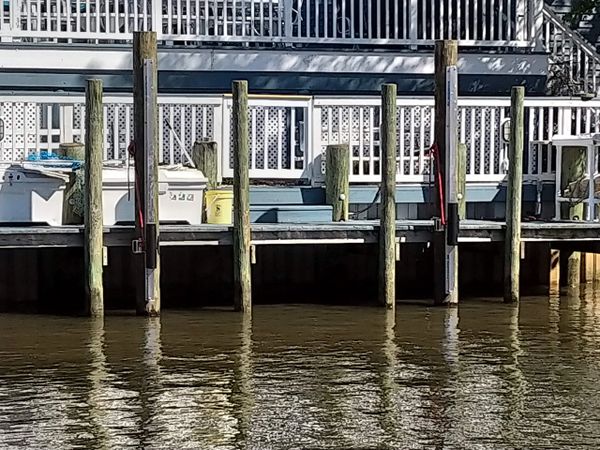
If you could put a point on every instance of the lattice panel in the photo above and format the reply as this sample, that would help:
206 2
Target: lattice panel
182 125
270 132
481 131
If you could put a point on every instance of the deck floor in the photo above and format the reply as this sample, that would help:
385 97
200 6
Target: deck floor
364 231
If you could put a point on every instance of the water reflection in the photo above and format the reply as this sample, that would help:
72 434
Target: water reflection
484 375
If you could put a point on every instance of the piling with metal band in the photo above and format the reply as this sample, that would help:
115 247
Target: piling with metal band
387 229
145 109
241 199
445 278
512 240
92 216
337 184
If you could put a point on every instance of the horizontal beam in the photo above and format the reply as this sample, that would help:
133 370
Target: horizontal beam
580 235
71 57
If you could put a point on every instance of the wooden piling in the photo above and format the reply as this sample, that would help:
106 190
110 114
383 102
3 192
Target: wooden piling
512 239
554 276
241 199
144 49
387 230
337 184
588 270
93 224
72 213
205 158
446 54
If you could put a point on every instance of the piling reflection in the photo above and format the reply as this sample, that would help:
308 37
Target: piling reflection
484 375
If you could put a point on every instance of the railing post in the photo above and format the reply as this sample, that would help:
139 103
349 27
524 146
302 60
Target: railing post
413 33
287 17
535 17
156 19
521 31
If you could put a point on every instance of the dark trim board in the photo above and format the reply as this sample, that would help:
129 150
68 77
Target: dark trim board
353 232
293 83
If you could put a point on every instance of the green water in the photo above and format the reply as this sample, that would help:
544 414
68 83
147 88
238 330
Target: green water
483 376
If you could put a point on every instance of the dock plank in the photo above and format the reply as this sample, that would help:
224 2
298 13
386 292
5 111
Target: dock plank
360 231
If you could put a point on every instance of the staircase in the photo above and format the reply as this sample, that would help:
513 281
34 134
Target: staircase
574 62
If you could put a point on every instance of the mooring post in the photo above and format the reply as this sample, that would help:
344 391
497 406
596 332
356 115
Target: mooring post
72 213
241 200
337 184
446 209
387 229
554 276
145 108
92 211
512 239
205 158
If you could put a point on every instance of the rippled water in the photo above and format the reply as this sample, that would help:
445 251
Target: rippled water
485 375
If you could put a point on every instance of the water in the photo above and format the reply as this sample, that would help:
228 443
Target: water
481 377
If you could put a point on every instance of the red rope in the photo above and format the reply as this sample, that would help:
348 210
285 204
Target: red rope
438 178
131 150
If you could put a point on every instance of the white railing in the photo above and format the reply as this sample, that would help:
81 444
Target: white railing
575 62
36 123
373 22
279 133
481 122
289 135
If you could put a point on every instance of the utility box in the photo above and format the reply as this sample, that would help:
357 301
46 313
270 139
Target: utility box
28 195
180 194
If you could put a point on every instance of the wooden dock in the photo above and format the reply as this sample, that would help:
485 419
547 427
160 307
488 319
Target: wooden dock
352 232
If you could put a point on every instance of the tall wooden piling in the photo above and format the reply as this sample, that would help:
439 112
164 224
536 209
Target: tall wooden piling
512 240
241 199
445 276
205 158
92 217
387 229
337 184
145 108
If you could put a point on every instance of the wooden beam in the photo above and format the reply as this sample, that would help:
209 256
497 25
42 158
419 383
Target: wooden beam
387 230
93 226
145 108
512 242
241 200
337 185
445 276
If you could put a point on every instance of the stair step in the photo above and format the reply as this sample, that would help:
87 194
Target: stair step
287 195
290 213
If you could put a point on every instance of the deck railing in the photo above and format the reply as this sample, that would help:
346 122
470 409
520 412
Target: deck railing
289 135
511 23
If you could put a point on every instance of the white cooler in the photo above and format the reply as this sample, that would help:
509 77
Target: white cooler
30 195
180 193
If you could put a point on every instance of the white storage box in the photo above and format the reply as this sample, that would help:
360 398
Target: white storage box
180 192
30 195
